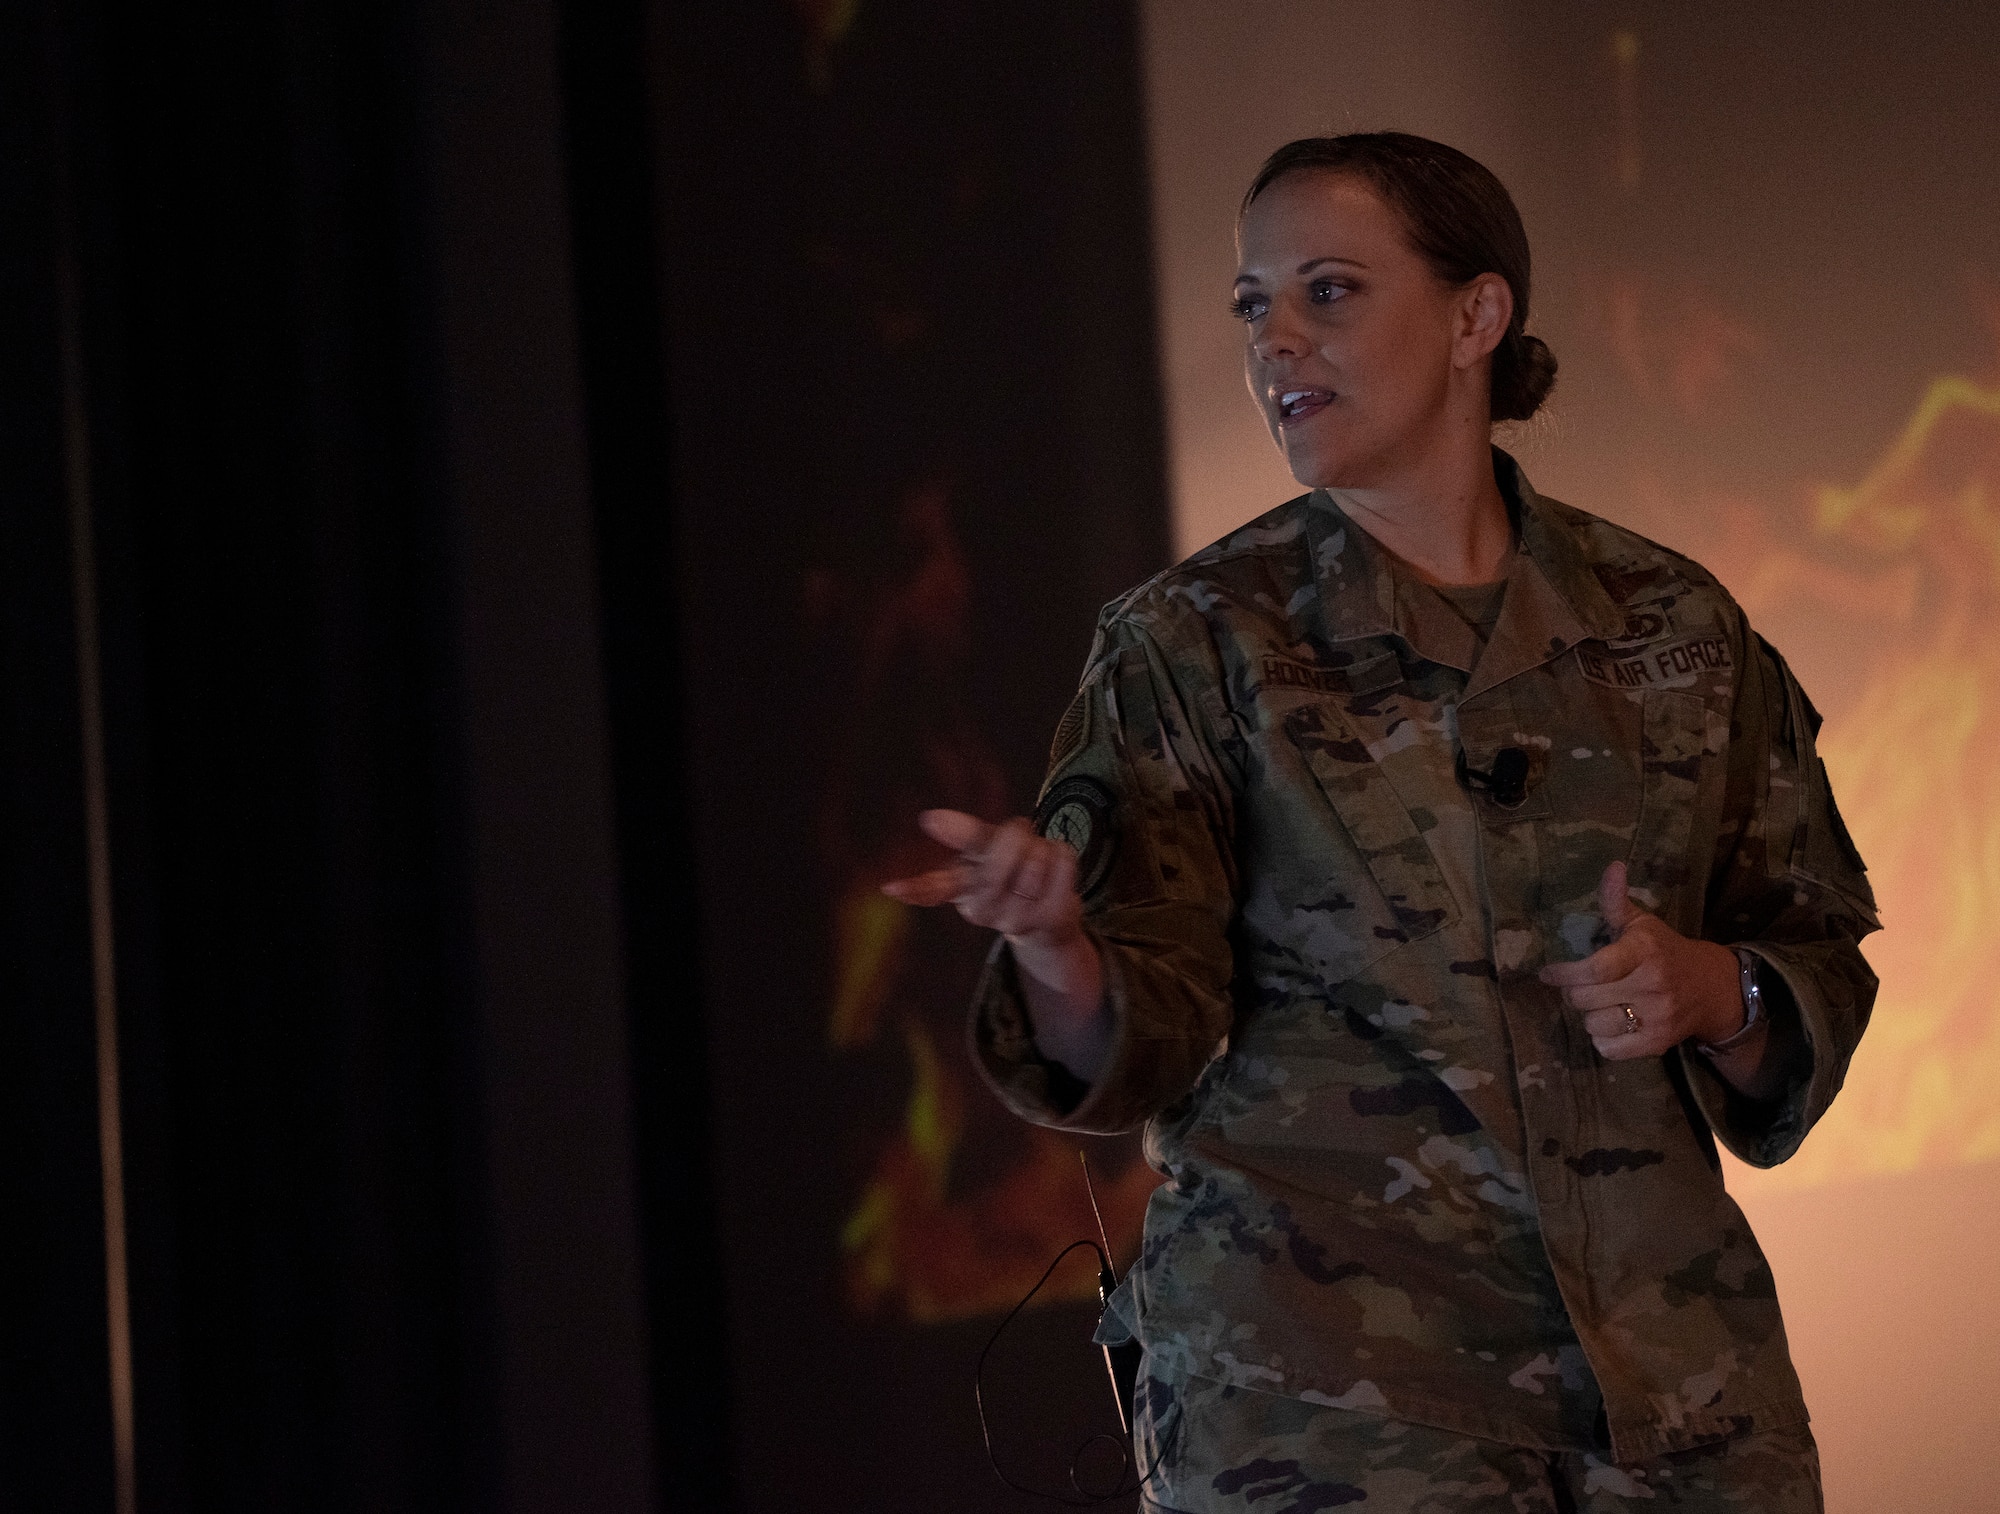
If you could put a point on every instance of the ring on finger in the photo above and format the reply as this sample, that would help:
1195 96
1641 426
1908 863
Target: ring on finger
1632 1021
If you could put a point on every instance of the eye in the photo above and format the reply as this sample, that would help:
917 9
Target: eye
1325 291
1248 307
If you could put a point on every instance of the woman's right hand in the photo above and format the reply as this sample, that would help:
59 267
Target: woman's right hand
1005 878
1008 879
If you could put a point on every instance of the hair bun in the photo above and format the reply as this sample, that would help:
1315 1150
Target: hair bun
1524 372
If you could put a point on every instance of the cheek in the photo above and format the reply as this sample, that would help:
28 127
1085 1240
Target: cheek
1253 383
1400 371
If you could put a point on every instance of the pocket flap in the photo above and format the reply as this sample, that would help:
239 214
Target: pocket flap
1381 826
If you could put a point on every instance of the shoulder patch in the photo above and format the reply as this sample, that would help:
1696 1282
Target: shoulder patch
1070 730
1644 625
1078 812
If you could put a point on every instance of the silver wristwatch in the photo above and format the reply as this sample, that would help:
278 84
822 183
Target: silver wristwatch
1753 1007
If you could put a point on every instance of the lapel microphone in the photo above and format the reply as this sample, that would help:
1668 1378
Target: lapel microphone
1506 782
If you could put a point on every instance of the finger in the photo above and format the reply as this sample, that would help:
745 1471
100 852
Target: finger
1058 909
1019 901
1613 1025
1629 989
1031 878
1605 965
982 899
939 886
1636 1046
961 832
1059 898
1614 898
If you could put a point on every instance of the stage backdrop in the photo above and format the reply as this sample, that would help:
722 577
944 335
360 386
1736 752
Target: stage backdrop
917 445
1765 253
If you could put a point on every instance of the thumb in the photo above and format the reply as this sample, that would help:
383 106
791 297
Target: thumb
961 832
1614 901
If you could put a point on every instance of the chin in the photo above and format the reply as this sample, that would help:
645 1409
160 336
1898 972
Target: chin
1341 461
1325 467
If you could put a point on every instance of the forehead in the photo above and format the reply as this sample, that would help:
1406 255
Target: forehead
1318 214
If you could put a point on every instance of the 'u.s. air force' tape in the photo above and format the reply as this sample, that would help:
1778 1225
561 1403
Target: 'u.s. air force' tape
1077 812
1670 666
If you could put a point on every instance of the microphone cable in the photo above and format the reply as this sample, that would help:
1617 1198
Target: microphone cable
1080 1497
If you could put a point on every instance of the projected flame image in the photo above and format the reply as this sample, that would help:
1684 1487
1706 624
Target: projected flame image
939 1230
1907 557
1910 554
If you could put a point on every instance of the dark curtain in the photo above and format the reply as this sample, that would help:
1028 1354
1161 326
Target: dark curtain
917 446
567 482
380 1157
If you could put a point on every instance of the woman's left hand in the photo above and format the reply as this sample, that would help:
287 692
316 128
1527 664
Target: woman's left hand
1652 987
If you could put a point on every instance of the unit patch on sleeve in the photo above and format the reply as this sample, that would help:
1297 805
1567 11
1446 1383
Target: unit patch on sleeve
1077 812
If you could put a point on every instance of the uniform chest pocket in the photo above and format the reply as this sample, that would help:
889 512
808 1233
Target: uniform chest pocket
1409 898
1673 742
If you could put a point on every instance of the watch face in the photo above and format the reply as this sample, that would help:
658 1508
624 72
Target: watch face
1078 812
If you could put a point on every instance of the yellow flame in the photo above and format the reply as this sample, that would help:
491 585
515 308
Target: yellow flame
911 1243
870 930
917 1169
1896 472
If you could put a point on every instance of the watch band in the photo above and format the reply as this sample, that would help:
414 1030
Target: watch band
1753 1007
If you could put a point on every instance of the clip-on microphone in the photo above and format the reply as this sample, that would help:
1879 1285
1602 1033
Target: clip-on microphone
1506 782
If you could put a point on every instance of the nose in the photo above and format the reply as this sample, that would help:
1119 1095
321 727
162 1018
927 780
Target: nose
1278 335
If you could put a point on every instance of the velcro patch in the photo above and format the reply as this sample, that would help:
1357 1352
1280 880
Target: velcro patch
1291 673
1070 732
1078 813
1369 676
1673 665
1644 625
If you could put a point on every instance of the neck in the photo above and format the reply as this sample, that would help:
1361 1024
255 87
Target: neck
1443 514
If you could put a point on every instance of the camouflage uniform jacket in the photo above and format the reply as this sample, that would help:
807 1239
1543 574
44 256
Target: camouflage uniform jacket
1400 1178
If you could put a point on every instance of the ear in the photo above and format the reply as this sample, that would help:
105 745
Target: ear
1484 308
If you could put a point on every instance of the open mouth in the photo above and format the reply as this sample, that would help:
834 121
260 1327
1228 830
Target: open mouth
1297 404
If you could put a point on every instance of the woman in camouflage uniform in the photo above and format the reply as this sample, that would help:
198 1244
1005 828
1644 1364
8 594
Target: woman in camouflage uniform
1437 870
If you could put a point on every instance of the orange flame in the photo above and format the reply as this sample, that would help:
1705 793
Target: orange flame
1915 759
943 1258
926 1238
1911 556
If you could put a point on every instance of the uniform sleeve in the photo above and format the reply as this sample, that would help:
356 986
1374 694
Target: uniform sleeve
1788 885
1138 785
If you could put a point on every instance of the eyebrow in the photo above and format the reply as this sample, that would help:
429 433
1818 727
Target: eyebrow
1304 268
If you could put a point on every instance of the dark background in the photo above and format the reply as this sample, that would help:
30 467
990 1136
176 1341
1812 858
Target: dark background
909 308
510 433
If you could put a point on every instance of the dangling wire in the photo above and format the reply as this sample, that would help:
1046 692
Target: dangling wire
1082 1497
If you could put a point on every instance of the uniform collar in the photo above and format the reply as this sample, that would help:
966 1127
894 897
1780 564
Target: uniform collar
1553 600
